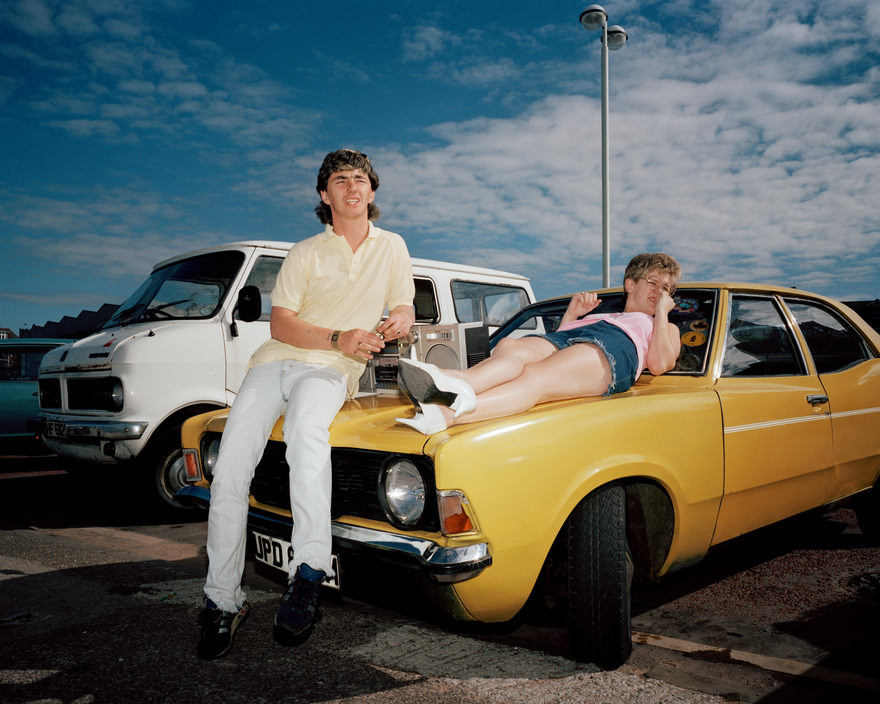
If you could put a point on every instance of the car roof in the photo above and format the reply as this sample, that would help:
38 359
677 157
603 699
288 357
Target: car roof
34 342
727 285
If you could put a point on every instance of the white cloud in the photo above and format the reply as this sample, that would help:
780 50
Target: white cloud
29 16
740 147
76 21
424 42
88 128
742 157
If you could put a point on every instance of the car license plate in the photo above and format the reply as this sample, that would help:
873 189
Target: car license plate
54 429
278 553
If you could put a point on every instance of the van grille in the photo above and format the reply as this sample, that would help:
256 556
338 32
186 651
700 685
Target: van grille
50 393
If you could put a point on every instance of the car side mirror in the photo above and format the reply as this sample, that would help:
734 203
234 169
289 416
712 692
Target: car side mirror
250 306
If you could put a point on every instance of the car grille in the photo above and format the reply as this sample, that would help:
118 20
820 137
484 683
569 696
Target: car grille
355 483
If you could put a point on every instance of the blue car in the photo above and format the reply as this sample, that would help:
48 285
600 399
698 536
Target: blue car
19 395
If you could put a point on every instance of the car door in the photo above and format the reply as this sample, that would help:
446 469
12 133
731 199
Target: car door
777 422
19 397
849 370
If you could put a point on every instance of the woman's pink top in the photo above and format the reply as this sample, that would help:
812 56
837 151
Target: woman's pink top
639 327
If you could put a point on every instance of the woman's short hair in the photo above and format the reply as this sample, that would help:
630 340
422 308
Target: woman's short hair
641 264
344 160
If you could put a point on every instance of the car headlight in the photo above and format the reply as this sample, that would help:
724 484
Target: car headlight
402 493
210 452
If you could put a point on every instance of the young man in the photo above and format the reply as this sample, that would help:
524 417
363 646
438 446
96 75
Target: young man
327 304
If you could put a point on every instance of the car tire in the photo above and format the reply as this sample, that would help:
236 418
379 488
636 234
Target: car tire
599 579
163 469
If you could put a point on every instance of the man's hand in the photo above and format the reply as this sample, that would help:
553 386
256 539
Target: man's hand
397 324
359 343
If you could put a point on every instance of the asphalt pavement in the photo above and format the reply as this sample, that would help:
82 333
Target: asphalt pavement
99 599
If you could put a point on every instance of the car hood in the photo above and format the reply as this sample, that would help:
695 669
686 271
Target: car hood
368 422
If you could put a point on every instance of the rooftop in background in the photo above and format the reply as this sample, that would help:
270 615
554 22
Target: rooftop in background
869 310
83 325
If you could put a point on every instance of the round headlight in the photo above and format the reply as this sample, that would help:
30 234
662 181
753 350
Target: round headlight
209 456
117 397
402 493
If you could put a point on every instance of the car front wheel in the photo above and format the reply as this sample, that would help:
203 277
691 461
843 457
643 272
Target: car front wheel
599 579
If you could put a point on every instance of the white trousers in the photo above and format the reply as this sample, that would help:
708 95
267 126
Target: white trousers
309 396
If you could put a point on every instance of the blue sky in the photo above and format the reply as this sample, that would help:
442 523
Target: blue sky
744 137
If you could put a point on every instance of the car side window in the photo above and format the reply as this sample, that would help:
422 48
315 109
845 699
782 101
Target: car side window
694 315
834 344
759 342
20 364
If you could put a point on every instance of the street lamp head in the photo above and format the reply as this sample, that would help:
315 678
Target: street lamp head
594 17
616 37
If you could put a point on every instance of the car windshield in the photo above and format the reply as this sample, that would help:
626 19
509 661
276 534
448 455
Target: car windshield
190 288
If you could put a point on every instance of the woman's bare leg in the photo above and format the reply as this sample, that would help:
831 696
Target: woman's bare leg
577 371
507 362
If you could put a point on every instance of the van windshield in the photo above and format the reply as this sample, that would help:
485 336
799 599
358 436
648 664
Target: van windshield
189 288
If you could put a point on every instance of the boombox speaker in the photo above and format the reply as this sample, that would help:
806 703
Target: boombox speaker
452 346
456 346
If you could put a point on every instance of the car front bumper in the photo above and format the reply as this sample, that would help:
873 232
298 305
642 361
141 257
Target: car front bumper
442 564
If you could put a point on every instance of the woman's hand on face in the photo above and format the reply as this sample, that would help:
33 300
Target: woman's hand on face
665 304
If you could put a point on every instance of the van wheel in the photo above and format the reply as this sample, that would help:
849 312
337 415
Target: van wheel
599 579
163 467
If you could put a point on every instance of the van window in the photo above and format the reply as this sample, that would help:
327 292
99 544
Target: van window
491 304
425 301
188 288
263 276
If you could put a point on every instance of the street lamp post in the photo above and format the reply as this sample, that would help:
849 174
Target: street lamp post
614 37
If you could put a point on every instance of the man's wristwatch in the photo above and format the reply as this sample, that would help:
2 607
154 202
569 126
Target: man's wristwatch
334 339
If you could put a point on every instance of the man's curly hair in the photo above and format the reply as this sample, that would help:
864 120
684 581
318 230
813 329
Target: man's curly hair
344 160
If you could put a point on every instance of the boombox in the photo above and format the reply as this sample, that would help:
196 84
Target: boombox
456 346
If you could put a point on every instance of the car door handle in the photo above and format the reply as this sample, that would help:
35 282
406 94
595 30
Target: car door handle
816 399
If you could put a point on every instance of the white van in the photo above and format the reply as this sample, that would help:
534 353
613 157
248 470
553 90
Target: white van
180 344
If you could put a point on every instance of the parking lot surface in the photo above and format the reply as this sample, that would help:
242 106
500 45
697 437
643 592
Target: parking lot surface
99 597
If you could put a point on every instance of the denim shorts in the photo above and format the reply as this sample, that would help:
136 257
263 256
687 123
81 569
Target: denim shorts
618 348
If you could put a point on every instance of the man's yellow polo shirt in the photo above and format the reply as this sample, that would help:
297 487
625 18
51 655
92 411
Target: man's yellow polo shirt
328 285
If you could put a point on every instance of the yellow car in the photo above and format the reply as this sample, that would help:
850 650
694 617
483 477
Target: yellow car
773 409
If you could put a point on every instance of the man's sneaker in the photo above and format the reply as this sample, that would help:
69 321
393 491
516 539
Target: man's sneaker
298 607
218 628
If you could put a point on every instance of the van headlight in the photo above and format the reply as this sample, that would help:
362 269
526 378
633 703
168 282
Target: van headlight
402 493
117 396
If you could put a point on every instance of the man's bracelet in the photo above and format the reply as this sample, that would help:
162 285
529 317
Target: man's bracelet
334 339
